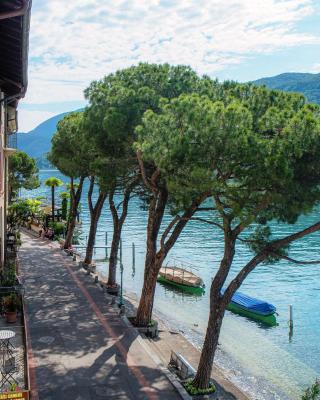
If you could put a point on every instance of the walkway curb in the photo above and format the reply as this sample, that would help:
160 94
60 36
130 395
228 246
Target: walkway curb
170 376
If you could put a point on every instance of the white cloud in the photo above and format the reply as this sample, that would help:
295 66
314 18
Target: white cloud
75 42
315 69
30 119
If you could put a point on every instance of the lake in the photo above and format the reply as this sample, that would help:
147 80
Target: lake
265 361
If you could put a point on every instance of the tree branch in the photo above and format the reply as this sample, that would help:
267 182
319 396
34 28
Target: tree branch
143 172
113 209
262 255
239 228
90 191
206 209
207 222
296 261
183 221
168 229
219 206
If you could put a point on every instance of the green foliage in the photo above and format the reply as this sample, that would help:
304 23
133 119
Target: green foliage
65 195
9 277
64 209
22 211
260 169
116 106
23 172
312 393
59 228
53 182
76 236
64 204
260 239
194 391
12 302
71 152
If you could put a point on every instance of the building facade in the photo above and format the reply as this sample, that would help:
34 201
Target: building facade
14 43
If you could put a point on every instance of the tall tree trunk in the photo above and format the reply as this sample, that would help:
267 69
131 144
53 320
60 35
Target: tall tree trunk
217 310
95 212
151 267
145 308
216 314
76 197
117 229
52 203
154 257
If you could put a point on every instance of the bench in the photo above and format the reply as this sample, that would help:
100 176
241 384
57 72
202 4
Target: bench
183 368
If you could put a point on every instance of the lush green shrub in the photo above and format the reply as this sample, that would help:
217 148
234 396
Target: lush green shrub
193 391
23 211
64 204
12 302
313 392
9 276
58 228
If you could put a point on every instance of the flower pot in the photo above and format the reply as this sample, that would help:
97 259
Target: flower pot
11 316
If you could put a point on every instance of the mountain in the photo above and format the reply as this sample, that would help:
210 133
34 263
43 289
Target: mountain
38 141
307 84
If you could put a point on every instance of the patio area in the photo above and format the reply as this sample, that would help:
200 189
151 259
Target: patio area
17 373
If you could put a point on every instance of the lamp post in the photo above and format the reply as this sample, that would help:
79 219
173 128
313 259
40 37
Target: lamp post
121 277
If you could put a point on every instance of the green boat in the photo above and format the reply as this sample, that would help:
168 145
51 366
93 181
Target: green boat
182 279
253 308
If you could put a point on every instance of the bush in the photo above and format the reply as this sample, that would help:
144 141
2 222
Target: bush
9 277
58 228
193 391
22 212
12 302
312 393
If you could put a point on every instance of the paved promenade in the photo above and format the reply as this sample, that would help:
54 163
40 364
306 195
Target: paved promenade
80 347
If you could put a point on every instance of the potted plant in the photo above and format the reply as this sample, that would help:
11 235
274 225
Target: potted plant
11 305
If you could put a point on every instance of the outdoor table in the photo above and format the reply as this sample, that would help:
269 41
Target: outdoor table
6 346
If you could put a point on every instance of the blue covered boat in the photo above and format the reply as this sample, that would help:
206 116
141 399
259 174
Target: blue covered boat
253 308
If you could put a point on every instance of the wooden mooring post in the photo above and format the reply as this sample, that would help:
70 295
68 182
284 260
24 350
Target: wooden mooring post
133 255
290 322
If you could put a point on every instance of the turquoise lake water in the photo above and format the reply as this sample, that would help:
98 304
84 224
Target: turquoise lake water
267 362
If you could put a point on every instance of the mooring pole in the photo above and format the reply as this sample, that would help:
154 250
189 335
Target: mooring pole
106 243
133 255
290 322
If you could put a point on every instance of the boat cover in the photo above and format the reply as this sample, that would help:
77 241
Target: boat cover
251 304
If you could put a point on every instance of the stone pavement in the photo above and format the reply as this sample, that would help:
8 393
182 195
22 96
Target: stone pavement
81 349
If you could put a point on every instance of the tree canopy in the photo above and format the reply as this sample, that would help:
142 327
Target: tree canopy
70 151
53 182
23 172
263 164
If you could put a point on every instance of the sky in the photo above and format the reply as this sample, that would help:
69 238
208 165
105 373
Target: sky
75 42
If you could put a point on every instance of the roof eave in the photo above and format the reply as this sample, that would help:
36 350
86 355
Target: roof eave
25 48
